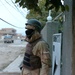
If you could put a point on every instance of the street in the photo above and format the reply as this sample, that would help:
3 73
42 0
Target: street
10 51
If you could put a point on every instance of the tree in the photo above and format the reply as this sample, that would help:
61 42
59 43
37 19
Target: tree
34 4
56 4
37 15
39 8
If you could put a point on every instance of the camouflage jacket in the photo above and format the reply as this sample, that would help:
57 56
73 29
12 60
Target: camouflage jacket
41 49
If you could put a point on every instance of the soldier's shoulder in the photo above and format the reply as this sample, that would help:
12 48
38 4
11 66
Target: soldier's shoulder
42 42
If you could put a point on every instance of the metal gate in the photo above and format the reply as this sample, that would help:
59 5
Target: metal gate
56 54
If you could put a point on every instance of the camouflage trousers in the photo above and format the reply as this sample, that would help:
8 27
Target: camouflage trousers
43 71
28 72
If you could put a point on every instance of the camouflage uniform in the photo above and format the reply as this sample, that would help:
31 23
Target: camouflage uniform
40 49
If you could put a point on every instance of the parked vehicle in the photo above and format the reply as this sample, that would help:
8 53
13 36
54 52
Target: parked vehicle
8 39
22 39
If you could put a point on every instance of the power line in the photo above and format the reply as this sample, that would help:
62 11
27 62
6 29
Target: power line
9 11
9 3
21 12
18 9
11 24
15 6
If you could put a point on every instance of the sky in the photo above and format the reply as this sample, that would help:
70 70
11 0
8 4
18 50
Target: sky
12 16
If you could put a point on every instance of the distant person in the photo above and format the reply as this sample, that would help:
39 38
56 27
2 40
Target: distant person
37 60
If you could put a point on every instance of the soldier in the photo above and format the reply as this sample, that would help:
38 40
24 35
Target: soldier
38 47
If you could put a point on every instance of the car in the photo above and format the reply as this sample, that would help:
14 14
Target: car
8 39
22 39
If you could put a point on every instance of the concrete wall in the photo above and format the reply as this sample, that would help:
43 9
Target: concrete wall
51 28
48 31
67 42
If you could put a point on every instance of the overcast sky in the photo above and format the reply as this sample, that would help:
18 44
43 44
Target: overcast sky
12 14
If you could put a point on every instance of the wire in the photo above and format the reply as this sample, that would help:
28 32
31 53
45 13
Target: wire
18 9
9 11
14 8
57 16
9 3
11 24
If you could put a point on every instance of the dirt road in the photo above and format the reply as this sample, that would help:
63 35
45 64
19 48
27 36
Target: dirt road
10 51
10 74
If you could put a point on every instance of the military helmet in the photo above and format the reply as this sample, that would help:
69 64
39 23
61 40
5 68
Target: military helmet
35 23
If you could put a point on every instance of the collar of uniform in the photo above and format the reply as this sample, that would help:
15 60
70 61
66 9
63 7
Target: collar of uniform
36 40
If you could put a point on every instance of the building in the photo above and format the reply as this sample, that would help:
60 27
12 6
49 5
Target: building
7 31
